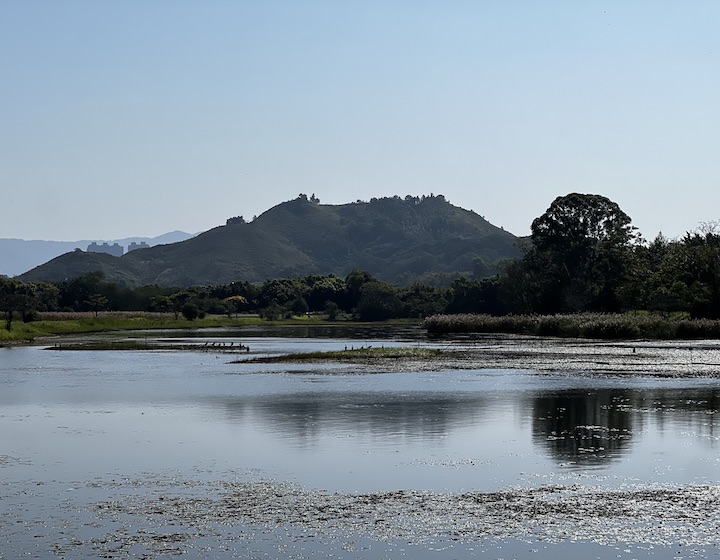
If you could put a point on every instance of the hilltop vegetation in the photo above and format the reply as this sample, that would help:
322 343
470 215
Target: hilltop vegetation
396 240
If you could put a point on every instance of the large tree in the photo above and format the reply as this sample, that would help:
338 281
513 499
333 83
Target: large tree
578 256
16 296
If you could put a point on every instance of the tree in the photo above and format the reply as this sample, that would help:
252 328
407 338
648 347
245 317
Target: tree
475 296
74 293
332 310
281 291
178 301
298 306
96 302
190 311
580 249
422 301
378 302
354 283
16 296
272 312
234 304
323 289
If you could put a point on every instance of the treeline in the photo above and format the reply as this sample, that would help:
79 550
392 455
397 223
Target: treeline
358 296
583 256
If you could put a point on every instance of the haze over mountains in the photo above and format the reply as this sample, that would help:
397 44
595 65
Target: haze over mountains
20 255
394 239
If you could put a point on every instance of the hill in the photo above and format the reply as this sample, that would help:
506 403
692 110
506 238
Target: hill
20 255
394 239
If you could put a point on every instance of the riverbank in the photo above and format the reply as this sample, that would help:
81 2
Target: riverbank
49 325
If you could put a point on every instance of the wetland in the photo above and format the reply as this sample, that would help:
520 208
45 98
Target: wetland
493 447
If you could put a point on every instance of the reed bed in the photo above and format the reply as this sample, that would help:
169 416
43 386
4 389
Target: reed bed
606 326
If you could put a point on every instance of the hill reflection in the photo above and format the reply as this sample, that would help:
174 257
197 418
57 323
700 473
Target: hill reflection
577 428
306 416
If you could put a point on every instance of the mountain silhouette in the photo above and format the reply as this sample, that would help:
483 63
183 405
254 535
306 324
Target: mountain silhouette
394 239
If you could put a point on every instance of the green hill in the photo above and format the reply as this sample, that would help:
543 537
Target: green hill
394 239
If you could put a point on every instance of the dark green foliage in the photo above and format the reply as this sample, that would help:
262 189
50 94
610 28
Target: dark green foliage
298 306
475 296
578 257
378 301
272 312
423 301
190 311
681 275
16 297
97 302
322 289
281 291
332 310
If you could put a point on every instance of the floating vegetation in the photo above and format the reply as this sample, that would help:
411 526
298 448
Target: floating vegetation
169 519
360 354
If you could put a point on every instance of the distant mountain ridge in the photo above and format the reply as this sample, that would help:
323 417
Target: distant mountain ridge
20 255
394 239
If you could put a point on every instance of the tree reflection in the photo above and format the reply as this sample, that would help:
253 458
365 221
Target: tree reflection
584 428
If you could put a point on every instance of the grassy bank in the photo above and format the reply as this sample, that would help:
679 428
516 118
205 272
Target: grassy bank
582 325
54 324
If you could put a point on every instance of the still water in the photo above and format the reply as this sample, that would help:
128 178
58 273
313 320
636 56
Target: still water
74 424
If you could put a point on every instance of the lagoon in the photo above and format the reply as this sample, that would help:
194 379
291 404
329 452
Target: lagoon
138 454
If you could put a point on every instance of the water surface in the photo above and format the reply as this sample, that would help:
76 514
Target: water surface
75 424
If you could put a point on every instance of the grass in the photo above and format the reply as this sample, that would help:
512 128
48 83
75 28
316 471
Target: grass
353 355
61 323
605 326
52 324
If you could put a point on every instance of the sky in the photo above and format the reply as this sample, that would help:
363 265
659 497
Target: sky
139 117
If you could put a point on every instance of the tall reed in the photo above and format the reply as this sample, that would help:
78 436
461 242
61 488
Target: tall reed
582 325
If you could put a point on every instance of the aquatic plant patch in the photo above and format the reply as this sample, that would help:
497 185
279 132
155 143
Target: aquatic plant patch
173 516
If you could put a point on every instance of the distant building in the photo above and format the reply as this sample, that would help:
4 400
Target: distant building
115 249
133 246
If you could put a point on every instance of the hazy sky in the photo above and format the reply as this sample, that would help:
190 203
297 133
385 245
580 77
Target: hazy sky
122 118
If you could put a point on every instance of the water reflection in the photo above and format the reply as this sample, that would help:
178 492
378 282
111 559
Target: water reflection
305 417
338 331
583 427
444 429
591 428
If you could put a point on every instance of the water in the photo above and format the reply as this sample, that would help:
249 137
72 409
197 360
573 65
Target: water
95 445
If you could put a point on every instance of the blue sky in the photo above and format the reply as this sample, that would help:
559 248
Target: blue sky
123 118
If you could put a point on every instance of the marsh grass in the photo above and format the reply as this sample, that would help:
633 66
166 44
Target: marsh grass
581 325
353 355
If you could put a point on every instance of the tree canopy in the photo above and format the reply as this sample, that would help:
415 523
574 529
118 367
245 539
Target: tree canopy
577 258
